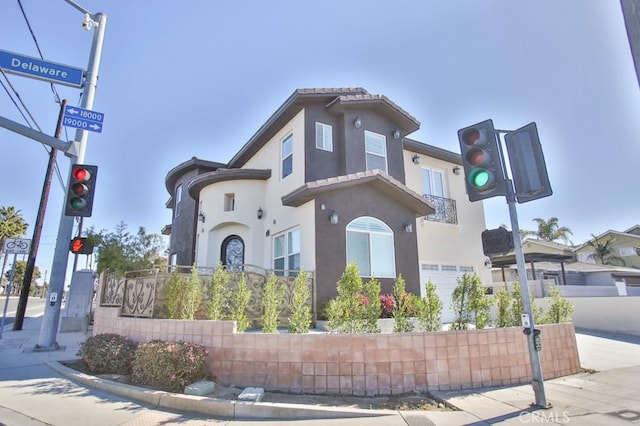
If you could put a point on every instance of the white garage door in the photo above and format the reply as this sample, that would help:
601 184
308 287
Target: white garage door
445 277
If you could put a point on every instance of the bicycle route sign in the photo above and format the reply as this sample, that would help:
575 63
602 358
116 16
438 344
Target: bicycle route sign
16 246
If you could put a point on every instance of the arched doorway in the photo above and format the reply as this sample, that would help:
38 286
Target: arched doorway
232 252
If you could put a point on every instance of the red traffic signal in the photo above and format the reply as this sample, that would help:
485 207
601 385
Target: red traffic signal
80 245
481 160
82 182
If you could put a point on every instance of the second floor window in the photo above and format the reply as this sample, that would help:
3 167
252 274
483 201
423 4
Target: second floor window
324 137
432 182
375 146
287 156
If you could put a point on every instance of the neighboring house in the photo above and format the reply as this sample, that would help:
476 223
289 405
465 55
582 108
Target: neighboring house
624 248
330 179
553 263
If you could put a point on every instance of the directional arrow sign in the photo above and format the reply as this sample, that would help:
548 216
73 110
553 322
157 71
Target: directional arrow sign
42 70
84 119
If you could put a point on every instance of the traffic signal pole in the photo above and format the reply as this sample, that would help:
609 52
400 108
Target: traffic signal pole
534 356
50 320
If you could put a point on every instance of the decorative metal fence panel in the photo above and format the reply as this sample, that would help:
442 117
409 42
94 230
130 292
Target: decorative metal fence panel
142 293
112 290
139 297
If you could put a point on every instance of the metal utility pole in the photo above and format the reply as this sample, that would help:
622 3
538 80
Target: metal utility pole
529 329
49 328
37 231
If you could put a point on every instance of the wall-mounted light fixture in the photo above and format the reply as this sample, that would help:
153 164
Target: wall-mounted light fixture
408 228
415 159
260 213
201 217
396 134
357 122
487 263
333 218
456 170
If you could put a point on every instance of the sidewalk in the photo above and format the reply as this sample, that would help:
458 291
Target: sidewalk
35 390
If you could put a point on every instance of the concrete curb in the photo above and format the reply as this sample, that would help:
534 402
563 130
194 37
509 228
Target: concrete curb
215 406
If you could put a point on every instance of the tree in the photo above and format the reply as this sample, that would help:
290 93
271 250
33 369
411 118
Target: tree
430 309
120 251
12 225
549 230
603 252
20 269
469 301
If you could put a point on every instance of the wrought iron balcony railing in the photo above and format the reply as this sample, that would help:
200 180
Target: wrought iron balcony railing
445 210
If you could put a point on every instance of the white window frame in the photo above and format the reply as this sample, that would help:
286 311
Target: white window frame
176 208
368 135
291 248
285 156
432 189
387 232
324 137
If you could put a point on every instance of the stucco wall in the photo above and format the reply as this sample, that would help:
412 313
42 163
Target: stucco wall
359 364
616 314
443 243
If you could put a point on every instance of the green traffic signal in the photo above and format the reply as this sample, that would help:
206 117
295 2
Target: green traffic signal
479 178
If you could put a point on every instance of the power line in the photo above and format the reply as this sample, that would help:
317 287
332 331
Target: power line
35 40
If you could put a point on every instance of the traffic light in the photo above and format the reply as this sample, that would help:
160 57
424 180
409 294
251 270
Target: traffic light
82 185
80 245
481 161
497 241
528 167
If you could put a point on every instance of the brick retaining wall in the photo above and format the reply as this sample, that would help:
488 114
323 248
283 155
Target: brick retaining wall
359 364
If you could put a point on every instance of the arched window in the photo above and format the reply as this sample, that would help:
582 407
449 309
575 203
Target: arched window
370 246
232 251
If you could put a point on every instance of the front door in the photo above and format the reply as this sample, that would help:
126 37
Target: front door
232 253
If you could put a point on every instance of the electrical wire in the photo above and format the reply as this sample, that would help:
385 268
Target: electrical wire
35 40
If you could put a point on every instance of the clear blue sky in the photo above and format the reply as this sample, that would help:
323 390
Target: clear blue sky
197 78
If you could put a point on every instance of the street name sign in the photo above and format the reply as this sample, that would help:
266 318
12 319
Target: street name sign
81 118
42 70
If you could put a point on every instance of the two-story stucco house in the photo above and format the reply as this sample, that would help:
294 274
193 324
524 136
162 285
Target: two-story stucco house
331 178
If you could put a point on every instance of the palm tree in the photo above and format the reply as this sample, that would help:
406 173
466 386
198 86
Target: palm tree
549 230
12 225
603 252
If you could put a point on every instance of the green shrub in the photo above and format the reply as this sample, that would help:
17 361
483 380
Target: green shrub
347 312
373 308
401 307
108 354
517 307
239 301
219 284
430 309
271 301
560 309
183 297
300 319
470 302
169 366
503 307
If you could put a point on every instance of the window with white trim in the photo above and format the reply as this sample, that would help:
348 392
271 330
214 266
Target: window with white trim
287 156
375 146
432 182
370 246
286 252
176 209
324 137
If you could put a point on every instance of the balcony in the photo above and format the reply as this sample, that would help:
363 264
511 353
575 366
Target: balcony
445 210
